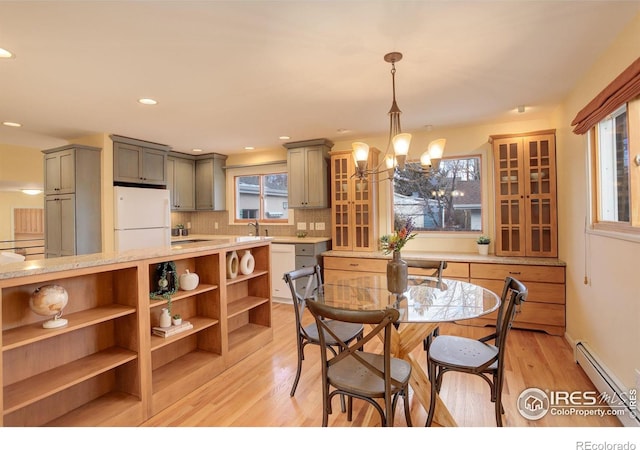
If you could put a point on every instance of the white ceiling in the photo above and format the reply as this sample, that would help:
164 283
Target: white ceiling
230 74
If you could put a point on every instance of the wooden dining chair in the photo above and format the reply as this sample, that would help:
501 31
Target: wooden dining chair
345 332
477 356
356 373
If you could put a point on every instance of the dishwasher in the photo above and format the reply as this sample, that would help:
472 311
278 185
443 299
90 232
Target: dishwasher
283 260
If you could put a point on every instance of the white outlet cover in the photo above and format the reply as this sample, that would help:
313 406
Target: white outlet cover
302 225
319 225
311 226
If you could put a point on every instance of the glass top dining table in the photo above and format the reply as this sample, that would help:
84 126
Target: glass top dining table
425 300
426 303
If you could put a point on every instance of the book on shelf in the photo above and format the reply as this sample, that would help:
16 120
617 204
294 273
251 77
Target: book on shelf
173 329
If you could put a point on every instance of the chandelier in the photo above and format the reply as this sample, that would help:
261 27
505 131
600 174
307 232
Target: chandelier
400 141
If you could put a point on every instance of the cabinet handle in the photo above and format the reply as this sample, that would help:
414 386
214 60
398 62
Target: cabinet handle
354 264
515 273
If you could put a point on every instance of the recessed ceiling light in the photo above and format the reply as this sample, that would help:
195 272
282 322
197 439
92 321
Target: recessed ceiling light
32 191
249 148
5 53
148 101
12 124
284 138
343 130
196 150
521 108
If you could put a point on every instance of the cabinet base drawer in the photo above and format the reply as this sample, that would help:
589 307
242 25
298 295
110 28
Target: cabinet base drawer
356 264
550 274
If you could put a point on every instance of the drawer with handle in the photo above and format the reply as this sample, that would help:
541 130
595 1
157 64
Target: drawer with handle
546 274
356 264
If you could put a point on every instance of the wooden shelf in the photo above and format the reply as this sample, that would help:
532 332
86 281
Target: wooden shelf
241 305
199 324
153 302
240 278
29 334
244 333
33 389
114 409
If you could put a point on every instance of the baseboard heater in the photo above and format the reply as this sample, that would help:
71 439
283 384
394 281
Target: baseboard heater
605 383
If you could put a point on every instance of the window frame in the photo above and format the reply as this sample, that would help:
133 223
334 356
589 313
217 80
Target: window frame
631 228
261 171
481 201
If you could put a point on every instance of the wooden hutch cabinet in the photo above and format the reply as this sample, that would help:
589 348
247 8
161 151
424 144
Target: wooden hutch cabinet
525 177
353 204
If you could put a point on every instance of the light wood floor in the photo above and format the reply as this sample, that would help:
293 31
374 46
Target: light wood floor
255 392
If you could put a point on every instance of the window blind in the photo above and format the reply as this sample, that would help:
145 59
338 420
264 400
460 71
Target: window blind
625 87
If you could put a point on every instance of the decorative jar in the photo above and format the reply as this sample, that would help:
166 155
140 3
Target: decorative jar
247 263
397 274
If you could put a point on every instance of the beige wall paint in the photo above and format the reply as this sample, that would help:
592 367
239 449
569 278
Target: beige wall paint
605 311
22 165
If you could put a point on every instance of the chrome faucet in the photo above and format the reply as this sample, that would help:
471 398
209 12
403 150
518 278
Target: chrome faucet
256 225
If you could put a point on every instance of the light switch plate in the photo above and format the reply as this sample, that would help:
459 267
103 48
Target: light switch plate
319 225
302 225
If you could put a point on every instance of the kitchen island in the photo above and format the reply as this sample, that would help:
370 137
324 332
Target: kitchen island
105 367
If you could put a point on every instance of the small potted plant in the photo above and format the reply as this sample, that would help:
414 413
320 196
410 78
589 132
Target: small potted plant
176 319
483 244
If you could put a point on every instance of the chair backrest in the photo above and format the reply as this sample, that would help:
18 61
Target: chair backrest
313 276
380 321
433 268
514 294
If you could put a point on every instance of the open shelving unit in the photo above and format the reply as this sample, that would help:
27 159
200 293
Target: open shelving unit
105 367
93 360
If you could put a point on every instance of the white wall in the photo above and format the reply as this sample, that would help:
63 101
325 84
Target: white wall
605 312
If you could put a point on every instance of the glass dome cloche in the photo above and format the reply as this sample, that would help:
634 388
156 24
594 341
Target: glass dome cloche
50 300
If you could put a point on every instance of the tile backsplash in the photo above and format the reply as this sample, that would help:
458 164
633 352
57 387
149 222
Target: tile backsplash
204 222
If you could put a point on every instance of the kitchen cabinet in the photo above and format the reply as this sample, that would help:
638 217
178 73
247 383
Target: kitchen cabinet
211 183
307 166
354 219
544 309
525 178
73 215
139 162
181 183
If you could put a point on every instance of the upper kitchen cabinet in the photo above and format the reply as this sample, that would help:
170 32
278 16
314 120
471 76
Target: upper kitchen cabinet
72 200
307 167
353 204
139 162
211 187
525 177
181 171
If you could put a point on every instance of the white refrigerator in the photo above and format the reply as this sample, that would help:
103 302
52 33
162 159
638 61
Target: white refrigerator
142 218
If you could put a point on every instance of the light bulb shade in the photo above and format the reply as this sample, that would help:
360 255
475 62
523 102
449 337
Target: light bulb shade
425 160
390 162
401 144
436 148
360 151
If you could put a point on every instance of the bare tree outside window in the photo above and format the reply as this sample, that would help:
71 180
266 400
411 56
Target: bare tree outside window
447 199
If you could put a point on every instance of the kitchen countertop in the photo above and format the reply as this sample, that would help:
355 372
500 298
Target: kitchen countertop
451 257
274 239
50 265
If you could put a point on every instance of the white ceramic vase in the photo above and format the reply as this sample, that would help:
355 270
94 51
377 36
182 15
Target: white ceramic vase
232 264
247 263
483 249
165 318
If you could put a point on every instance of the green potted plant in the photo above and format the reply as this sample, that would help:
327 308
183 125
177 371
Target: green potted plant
483 244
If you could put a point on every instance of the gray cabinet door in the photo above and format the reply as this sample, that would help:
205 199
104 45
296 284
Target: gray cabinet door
317 182
139 165
211 184
181 183
59 172
297 173
60 225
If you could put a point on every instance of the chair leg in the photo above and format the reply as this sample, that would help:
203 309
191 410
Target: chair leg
434 391
407 413
299 370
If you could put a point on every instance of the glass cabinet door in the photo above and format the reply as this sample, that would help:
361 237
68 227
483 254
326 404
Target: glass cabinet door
526 218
